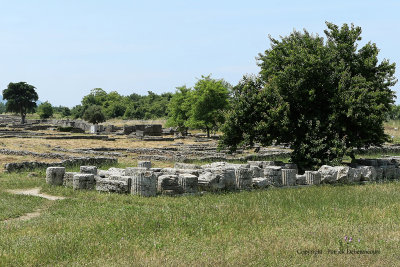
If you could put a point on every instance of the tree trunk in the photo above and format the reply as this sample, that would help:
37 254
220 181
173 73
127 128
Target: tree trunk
208 132
23 115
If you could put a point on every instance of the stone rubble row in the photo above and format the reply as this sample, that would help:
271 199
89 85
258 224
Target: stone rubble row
219 176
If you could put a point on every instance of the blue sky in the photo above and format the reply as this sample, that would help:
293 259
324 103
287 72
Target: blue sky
67 48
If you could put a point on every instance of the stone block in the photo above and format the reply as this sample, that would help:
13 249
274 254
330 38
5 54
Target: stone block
83 181
144 164
288 177
144 183
112 186
256 171
55 175
69 178
188 182
261 182
126 179
180 165
89 169
368 173
301 179
274 174
243 178
313 177
130 171
168 184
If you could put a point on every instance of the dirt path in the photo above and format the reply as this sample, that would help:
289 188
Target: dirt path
34 192
31 192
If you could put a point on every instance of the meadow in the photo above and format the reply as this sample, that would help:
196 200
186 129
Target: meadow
352 225
277 227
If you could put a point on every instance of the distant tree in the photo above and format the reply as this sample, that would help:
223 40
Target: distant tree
208 101
2 108
324 98
94 114
21 98
65 112
394 113
45 110
77 111
178 109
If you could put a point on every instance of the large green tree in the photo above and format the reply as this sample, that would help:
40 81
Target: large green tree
323 97
21 98
209 100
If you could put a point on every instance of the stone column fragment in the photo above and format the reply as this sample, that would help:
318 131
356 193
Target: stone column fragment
289 177
55 175
188 182
144 183
313 177
243 178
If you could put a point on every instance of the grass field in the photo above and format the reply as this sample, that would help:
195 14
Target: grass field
276 227
304 226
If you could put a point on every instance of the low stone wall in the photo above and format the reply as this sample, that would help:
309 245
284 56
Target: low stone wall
221 176
30 165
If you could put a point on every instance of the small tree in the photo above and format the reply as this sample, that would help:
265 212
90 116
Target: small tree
178 109
21 98
208 102
94 114
45 110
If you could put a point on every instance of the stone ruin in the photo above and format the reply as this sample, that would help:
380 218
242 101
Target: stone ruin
219 176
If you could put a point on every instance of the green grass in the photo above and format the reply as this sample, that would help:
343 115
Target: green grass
259 228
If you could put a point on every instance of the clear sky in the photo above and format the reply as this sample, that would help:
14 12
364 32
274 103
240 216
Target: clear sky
66 48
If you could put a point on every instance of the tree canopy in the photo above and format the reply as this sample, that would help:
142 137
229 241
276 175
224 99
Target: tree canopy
323 97
94 114
21 98
208 101
178 109
45 110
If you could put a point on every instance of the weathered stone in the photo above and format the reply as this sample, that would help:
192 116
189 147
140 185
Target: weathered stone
83 181
216 179
354 175
256 171
328 174
389 172
260 182
169 183
112 186
55 175
89 169
144 164
188 182
274 173
243 178
130 171
290 166
288 177
170 171
144 183
301 179
69 178
368 173
379 173
180 165
126 179
313 177
117 171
